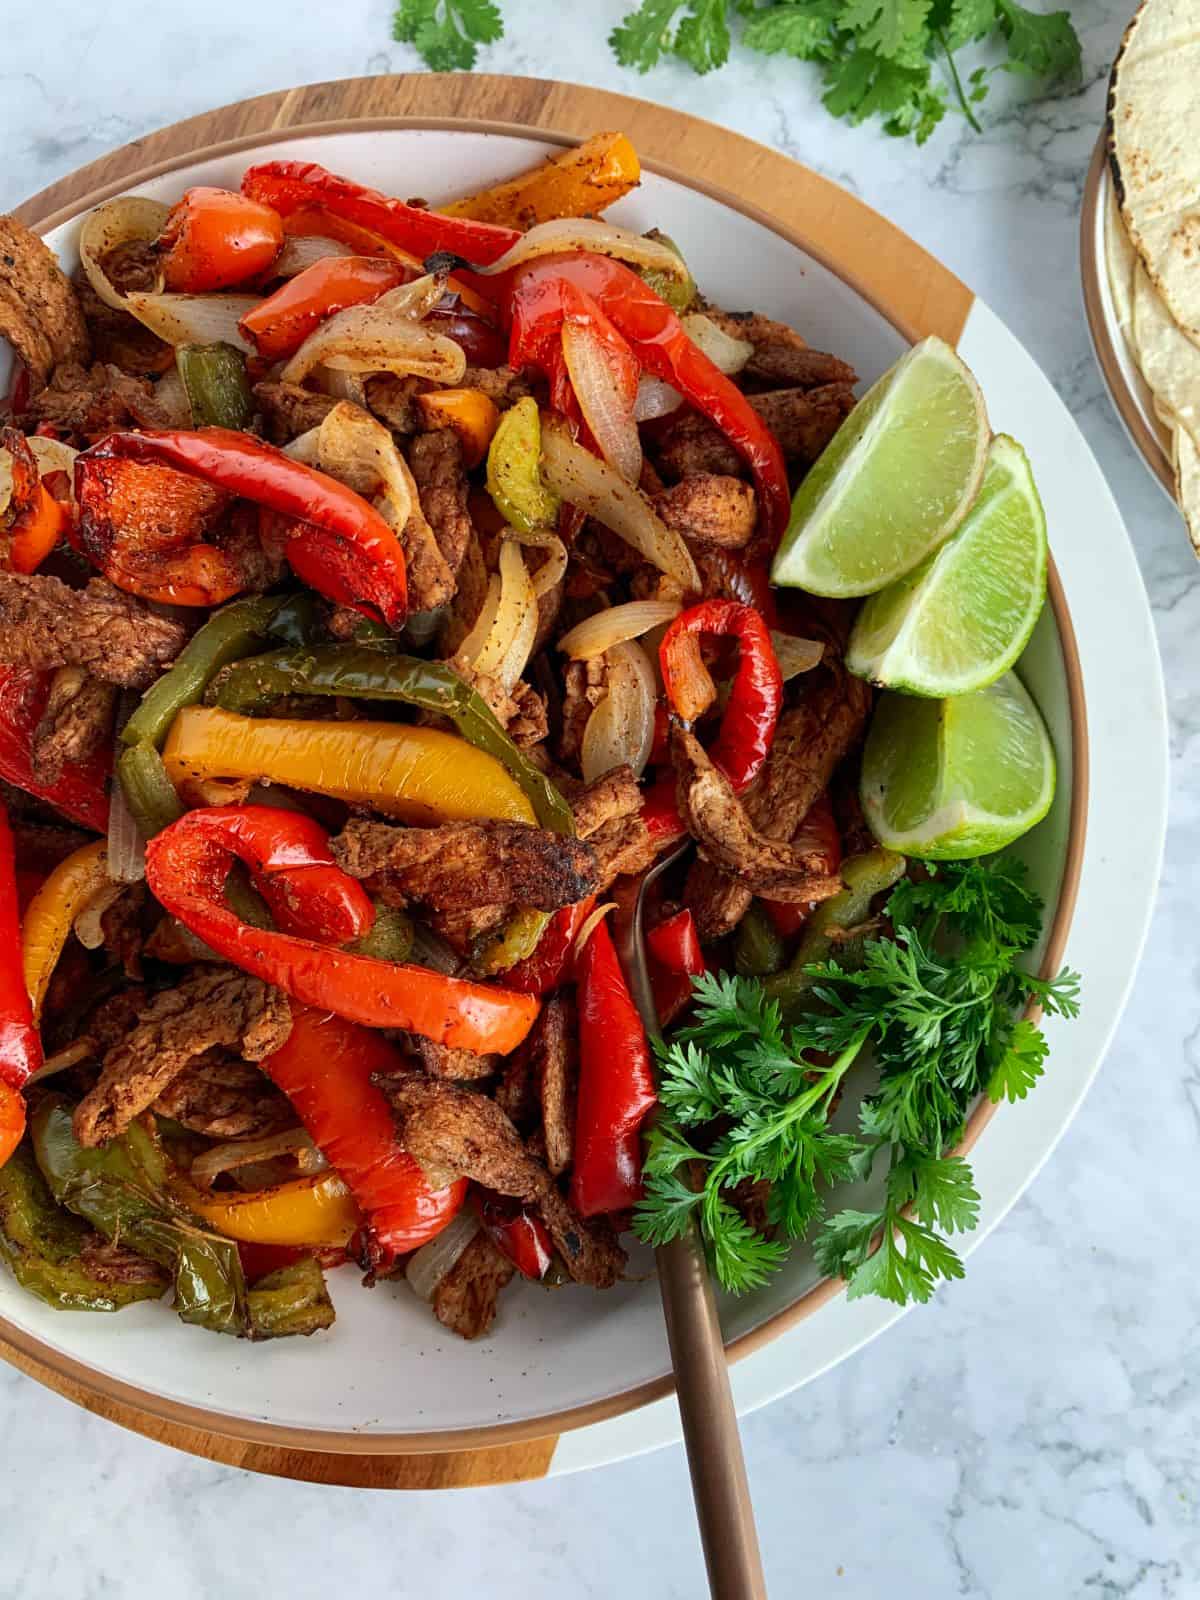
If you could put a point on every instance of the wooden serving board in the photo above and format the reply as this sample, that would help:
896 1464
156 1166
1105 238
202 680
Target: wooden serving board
908 285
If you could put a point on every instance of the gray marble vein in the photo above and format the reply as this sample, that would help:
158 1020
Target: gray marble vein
1036 1431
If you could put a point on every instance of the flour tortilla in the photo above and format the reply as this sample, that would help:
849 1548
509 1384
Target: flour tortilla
1154 145
1187 483
1170 362
1122 261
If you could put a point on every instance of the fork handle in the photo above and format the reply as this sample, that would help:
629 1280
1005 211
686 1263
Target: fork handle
710 1426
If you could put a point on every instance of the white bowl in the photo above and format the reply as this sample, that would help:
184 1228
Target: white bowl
388 1378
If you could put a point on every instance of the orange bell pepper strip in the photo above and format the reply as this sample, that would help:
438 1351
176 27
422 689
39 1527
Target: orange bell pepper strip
214 239
577 183
12 1120
318 1212
279 325
469 412
50 914
36 532
418 775
325 1068
20 1046
186 867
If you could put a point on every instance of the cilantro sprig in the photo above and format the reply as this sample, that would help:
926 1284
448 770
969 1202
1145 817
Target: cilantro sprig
747 1096
893 59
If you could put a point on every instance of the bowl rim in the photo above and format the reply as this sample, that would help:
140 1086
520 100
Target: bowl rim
1104 338
134 1406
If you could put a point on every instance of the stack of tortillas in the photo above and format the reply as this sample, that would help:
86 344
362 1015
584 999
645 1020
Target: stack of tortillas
1152 229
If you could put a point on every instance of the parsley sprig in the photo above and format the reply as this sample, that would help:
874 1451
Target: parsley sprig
747 1096
893 59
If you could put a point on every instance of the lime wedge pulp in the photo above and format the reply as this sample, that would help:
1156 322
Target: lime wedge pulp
944 780
961 618
893 482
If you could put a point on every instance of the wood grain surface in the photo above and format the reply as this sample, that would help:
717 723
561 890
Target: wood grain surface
908 285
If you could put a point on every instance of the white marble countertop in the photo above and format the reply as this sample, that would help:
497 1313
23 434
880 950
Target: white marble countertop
1034 1432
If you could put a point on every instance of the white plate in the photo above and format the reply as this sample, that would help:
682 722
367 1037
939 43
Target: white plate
387 1369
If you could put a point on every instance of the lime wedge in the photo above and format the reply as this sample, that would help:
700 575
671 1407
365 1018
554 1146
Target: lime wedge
947 779
893 482
959 620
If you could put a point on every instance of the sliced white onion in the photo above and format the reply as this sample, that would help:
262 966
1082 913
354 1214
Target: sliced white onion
129 218
721 348
655 398
796 655
171 395
483 624
550 572
83 1049
594 235
301 252
594 919
52 455
126 847
434 1260
509 642
581 478
87 924
195 318
594 635
6 479
620 731
233 1153
607 408
350 386
384 336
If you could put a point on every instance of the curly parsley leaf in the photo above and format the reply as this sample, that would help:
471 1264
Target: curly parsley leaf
447 33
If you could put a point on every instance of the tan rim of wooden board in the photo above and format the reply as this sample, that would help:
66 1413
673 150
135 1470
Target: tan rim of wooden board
1092 267
902 281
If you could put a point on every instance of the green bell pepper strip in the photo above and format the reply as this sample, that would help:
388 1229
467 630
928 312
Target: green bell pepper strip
218 390
149 793
292 1300
359 673
43 1246
514 478
390 937
865 876
227 636
680 295
758 951
120 1189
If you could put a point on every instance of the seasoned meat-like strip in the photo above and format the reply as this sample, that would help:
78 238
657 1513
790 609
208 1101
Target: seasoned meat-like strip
608 814
123 927
437 466
43 624
465 1300
717 820
39 310
502 385
585 684
463 865
430 580
555 1063
77 719
453 1131
117 336
218 1095
810 741
288 410
89 403
780 354
802 420
617 794
393 399
443 1061
710 507
219 1007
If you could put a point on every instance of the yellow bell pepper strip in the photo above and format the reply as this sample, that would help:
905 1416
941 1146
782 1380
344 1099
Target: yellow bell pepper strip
419 775
470 413
578 183
318 1211
53 909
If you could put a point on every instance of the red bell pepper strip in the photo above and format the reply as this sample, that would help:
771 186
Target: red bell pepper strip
552 961
293 869
338 544
81 793
616 1084
818 832
20 1045
675 943
539 303
290 186
516 1231
325 1069
280 324
214 238
751 715
186 867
